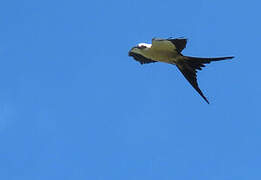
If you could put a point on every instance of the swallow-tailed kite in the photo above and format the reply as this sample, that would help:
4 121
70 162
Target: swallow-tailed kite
169 51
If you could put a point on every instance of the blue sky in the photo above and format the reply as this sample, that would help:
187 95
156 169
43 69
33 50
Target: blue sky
73 105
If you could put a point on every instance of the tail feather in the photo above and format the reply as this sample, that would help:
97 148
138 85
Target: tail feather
189 67
206 60
198 63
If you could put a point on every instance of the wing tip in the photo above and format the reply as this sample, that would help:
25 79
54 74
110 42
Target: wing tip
202 95
206 100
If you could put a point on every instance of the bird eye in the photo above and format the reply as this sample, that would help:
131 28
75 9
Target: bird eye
142 47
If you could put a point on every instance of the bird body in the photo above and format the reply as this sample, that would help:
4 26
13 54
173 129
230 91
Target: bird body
158 50
169 51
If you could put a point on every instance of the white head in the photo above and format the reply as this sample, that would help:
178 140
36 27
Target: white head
144 45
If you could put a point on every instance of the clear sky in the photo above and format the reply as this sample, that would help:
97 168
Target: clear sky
74 106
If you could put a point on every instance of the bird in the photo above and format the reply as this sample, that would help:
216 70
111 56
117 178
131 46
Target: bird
169 51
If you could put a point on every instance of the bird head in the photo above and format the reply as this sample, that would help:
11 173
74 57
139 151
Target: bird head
139 48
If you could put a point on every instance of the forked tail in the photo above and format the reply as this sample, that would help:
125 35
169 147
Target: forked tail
189 66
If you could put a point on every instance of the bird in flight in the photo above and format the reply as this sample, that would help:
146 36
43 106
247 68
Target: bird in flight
169 51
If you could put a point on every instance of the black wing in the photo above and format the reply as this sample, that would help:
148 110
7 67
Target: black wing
190 74
180 44
140 58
